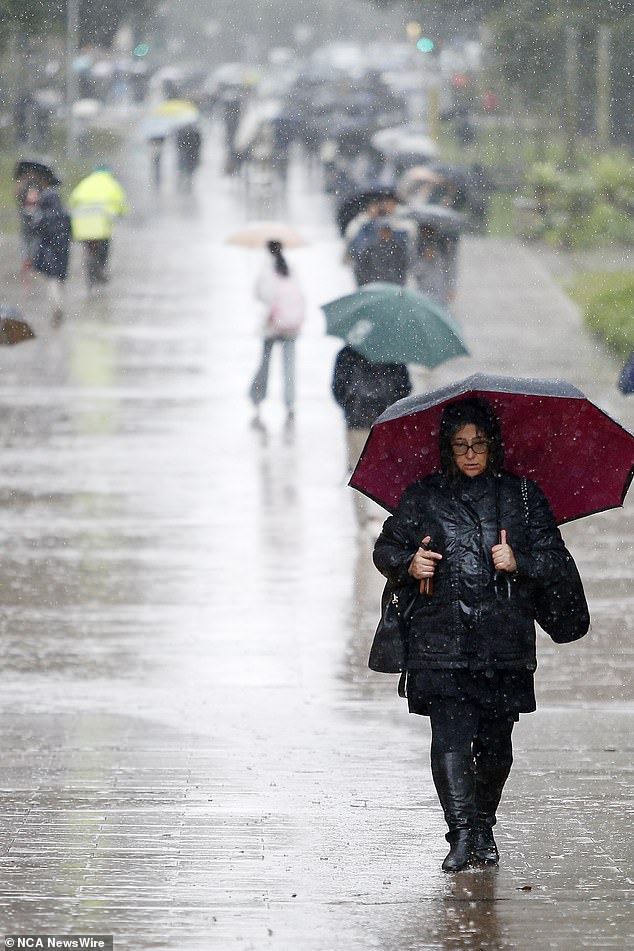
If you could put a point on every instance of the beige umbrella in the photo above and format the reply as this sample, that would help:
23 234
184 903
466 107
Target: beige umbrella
257 234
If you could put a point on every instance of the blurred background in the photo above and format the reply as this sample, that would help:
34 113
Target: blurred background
532 102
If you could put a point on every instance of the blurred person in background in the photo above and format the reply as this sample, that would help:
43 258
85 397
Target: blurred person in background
189 142
432 266
96 202
379 253
278 289
157 144
364 390
52 229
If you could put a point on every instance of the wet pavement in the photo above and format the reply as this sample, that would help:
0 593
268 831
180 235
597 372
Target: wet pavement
194 752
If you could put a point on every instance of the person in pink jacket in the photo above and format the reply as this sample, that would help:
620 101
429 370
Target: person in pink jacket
282 296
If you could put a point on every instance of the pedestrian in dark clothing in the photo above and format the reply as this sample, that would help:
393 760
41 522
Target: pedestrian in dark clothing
379 253
432 266
232 112
471 652
364 390
53 227
23 109
479 196
283 135
188 145
157 144
626 376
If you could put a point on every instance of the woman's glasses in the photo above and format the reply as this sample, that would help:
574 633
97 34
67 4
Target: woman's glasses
479 446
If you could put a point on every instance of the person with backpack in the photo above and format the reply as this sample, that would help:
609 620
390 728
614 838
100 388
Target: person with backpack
364 390
279 291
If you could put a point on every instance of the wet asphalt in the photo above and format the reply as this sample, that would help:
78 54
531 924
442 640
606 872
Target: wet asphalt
194 754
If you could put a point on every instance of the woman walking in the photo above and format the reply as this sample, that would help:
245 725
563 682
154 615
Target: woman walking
51 225
279 290
465 531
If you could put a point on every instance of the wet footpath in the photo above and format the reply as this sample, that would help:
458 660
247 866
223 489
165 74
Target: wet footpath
194 753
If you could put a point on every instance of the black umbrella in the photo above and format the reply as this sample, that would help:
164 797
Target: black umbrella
26 167
353 205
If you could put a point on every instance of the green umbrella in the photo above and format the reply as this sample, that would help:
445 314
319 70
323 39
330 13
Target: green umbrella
388 323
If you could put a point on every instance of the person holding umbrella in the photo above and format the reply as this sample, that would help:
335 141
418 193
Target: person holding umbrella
279 291
52 230
385 327
478 538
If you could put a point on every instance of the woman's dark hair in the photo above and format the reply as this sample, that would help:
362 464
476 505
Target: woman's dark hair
281 267
478 412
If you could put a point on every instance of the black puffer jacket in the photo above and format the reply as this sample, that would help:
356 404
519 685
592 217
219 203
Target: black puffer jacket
473 619
364 390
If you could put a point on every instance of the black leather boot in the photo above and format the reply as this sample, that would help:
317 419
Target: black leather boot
484 848
455 785
490 778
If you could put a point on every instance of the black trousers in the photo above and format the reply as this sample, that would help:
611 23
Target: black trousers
97 259
465 727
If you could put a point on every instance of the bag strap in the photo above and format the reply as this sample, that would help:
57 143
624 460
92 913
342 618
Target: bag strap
402 685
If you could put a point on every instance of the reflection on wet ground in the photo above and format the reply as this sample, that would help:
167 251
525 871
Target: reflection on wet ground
195 753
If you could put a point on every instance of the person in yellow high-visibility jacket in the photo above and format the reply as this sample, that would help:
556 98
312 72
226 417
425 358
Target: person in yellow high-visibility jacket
94 205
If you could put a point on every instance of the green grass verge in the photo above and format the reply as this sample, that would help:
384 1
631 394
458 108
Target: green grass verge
606 300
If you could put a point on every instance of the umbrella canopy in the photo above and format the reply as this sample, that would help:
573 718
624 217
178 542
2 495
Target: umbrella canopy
417 179
257 234
169 116
439 217
12 328
26 167
581 459
86 108
176 108
388 323
407 139
254 120
354 204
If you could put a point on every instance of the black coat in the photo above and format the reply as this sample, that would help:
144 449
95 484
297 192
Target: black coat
364 390
474 617
53 229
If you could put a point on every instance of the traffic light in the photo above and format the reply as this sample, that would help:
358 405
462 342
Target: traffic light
425 45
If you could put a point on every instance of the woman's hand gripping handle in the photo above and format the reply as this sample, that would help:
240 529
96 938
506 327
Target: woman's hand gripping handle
423 565
502 554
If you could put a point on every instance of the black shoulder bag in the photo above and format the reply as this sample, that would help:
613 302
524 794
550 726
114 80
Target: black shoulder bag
388 653
559 606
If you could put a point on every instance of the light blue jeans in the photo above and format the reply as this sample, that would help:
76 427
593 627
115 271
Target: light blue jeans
261 378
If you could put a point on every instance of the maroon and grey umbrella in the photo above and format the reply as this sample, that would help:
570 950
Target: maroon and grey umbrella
581 459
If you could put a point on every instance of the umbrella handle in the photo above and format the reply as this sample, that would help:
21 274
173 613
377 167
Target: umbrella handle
427 587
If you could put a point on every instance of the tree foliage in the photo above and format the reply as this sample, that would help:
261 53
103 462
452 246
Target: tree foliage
526 41
99 20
